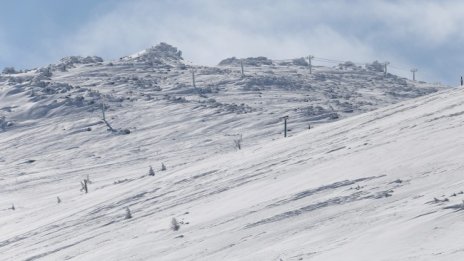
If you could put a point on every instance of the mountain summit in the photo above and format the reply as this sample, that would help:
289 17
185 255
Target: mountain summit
161 53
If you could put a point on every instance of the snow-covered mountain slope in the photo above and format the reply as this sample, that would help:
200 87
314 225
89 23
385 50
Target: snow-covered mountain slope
268 88
383 185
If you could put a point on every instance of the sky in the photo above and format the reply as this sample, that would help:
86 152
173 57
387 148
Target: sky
427 35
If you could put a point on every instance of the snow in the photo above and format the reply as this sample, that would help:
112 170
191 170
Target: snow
382 182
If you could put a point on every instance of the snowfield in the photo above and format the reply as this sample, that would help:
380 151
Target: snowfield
378 176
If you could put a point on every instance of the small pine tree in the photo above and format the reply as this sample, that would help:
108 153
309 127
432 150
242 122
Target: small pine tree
128 213
163 167
174 224
151 172
84 186
12 207
58 199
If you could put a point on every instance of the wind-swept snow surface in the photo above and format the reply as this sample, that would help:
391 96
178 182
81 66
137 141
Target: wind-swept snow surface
383 185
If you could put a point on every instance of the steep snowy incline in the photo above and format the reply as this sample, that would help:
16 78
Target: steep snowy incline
385 185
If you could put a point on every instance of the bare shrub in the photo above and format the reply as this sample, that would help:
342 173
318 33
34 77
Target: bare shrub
238 142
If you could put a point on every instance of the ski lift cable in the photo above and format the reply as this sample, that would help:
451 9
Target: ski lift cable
399 68
338 61
328 60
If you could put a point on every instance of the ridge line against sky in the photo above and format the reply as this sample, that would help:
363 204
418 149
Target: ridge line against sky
421 34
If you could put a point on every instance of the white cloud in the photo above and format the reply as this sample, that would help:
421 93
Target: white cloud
212 30
431 22
208 30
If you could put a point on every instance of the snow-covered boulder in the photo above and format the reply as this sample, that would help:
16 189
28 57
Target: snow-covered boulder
161 54
250 61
